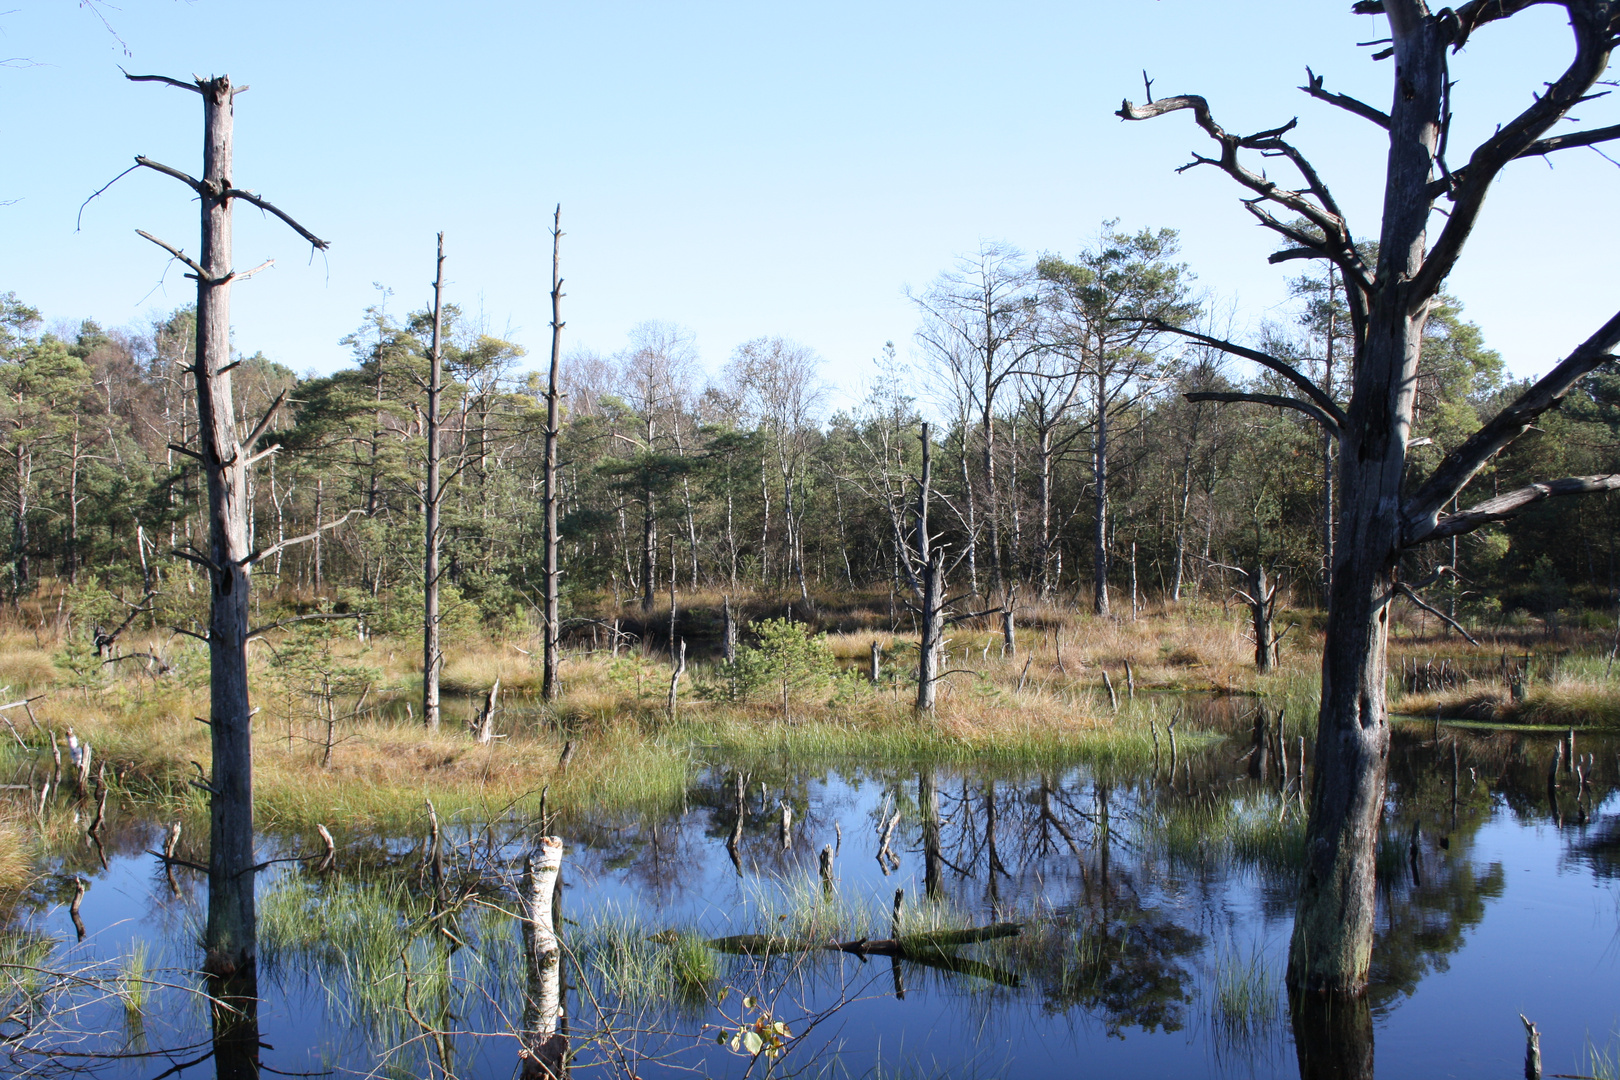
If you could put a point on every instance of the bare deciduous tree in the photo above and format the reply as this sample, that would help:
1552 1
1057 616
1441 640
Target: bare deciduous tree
657 375
976 325
777 382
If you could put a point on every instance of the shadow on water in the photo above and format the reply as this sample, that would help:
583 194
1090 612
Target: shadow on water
1153 907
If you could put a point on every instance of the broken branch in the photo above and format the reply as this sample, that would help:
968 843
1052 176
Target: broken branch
1280 401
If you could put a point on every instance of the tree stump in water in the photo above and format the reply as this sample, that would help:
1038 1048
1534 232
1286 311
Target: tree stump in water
544 1038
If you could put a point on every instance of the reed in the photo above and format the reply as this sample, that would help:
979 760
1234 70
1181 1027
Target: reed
1601 1063
1245 995
1261 830
133 979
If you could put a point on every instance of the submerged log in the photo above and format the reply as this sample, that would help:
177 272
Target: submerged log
928 941
933 949
907 946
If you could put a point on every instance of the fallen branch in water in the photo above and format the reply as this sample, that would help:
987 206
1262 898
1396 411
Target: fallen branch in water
930 949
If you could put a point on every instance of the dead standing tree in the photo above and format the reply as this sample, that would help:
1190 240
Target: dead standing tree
224 458
925 568
1380 518
549 687
1260 596
432 504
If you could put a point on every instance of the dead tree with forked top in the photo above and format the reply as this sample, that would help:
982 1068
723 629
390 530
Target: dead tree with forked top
1385 511
925 567
1259 594
225 456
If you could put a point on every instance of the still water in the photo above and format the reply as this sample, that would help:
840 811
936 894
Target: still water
1155 905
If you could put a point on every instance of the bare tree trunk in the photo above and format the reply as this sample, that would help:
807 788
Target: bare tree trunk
432 499
484 725
731 532
1181 528
649 538
73 506
1099 532
992 499
729 632
972 516
843 535
549 686
675 679
1328 443
545 1035
1044 498
931 571
232 924
765 523
230 933
1262 601
1136 605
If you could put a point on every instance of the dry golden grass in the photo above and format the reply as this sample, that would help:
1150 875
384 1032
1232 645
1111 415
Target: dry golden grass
1044 701
1565 702
27 663
15 857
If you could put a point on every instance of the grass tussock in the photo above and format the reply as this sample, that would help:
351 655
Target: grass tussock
16 857
1245 995
1567 700
1261 830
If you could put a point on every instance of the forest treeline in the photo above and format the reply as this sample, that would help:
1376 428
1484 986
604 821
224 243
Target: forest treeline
1069 462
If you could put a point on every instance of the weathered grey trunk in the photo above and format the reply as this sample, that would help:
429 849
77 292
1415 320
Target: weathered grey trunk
549 687
544 1030
230 932
931 580
992 495
971 500
1328 447
1182 501
1333 928
1043 500
432 499
484 724
1262 600
1099 525
232 923
1334 922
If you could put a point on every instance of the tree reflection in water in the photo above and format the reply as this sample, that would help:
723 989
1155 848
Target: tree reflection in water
1125 881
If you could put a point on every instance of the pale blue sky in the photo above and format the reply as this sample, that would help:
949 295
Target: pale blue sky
741 169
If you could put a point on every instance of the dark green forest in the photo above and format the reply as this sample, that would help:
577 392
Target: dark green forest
1073 465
